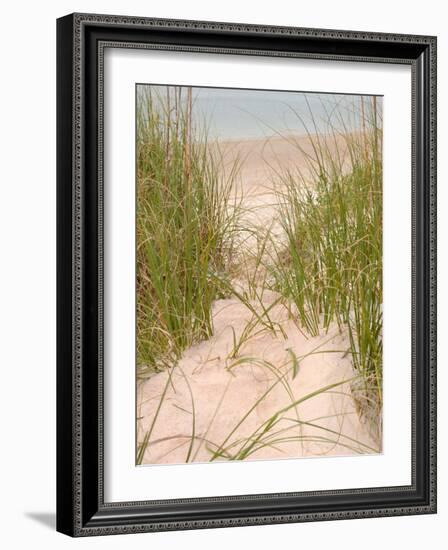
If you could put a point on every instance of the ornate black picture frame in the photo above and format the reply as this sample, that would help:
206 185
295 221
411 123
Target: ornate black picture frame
81 509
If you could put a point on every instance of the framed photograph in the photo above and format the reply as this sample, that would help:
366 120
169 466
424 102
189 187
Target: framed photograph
246 274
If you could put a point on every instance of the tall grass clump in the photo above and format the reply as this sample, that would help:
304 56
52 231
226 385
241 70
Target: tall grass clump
331 265
184 228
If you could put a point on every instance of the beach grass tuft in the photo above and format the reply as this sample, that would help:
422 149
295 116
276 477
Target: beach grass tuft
184 229
331 266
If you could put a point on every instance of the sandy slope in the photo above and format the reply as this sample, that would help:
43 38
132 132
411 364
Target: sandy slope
226 399
258 160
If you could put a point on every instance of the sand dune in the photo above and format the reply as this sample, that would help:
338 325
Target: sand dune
222 404
223 392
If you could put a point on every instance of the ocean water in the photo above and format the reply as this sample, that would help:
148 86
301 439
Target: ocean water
243 114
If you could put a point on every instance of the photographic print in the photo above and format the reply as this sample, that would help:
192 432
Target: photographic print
259 274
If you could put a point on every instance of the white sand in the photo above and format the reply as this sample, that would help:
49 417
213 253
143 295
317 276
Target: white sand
258 160
234 401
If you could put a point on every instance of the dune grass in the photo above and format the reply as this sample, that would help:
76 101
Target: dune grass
331 267
184 228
